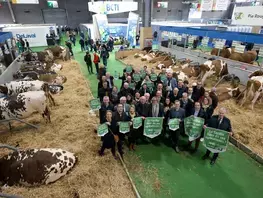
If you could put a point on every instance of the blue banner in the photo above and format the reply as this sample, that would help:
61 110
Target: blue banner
132 27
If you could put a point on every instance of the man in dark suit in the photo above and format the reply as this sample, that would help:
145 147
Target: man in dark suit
142 108
198 92
105 106
125 90
179 113
156 108
109 79
187 104
218 122
197 111
104 91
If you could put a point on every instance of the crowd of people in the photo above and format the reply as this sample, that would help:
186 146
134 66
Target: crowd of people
145 94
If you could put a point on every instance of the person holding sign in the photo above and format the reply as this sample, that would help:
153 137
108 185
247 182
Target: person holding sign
179 113
218 122
105 106
162 78
197 112
111 138
120 116
171 82
134 133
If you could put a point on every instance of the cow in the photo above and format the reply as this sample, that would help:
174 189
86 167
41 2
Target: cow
225 52
56 67
35 167
60 52
246 57
36 74
253 89
55 89
217 67
16 87
60 79
23 105
166 63
226 93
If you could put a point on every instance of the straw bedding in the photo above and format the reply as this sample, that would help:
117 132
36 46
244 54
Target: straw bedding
72 129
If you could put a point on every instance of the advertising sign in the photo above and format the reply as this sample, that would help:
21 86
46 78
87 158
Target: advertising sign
112 7
174 124
152 127
137 122
36 36
101 23
124 127
216 140
206 5
133 21
248 15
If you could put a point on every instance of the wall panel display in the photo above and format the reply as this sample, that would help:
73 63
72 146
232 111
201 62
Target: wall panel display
248 15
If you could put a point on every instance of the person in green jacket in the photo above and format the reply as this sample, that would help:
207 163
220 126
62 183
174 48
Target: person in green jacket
19 46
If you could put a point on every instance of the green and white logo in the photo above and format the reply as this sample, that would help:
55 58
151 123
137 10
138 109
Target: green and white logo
239 15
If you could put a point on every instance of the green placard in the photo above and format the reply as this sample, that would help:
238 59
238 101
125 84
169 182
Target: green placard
174 124
163 77
153 77
102 129
129 69
124 127
95 104
143 74
152 127
149 85
132 85
193 127
216 140
136 77
137 122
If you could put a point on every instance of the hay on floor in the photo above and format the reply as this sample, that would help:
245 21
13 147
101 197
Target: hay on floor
72 129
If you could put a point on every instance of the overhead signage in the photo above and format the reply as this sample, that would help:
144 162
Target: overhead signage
220 4
112 7
52 4
162 4
206 5
25 1
248 15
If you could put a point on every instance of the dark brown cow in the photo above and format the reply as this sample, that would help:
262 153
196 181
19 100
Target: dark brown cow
35 167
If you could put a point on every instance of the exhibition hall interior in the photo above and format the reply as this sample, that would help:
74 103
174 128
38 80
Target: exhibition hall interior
131 98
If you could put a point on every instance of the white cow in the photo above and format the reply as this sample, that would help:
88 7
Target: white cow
24 105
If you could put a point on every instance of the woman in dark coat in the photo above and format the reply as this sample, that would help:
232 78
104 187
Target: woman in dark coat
108 140
134 133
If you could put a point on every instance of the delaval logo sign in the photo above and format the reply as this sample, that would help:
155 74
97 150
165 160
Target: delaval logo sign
25 36
112 7
248 15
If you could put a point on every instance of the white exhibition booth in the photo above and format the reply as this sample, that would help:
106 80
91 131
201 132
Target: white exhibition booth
34 33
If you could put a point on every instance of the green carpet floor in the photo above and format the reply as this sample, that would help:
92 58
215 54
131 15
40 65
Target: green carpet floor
159 172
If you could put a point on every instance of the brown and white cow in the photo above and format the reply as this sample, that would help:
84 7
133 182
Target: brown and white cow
166 63
60 52
24 105
254 88
226 93
215 67
34 167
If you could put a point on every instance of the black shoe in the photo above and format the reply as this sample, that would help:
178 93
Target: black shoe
212 162
204 157
193 151
187 147
176 149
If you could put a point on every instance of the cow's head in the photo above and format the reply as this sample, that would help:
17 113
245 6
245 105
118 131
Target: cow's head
256 73
3 89
236 92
